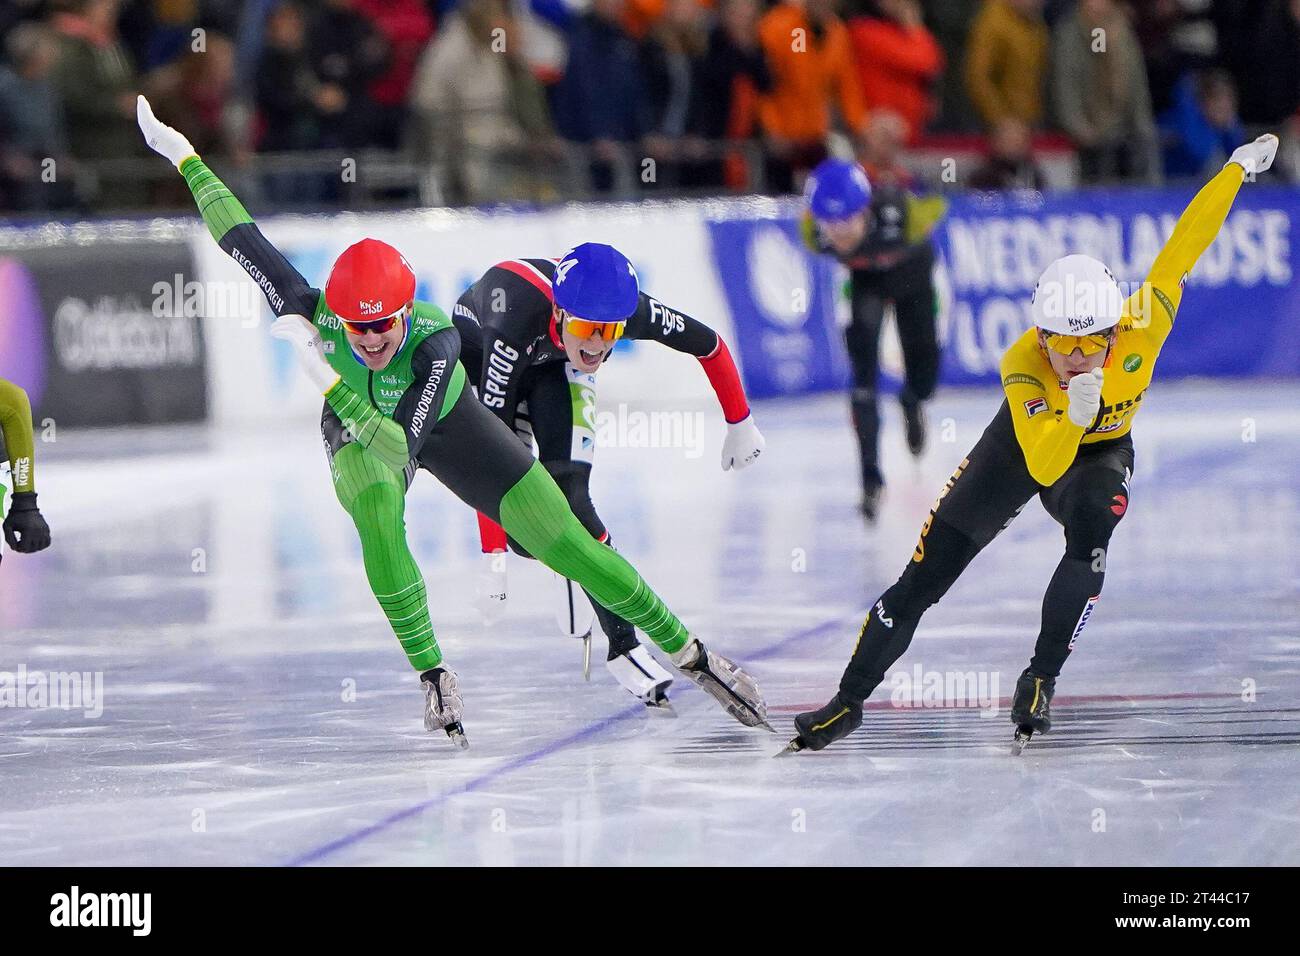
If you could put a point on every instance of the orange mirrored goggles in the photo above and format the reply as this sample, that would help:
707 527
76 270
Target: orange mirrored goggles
378 326
609 331
1088 344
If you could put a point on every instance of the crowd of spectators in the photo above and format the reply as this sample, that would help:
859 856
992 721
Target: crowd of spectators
492 97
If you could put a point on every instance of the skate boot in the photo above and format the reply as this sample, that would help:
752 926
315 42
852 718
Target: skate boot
725 682
644 678
819 729
914 417
442 704
1031 708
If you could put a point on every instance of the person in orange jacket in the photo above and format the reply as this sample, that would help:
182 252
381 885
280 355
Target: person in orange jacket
811 59
898 61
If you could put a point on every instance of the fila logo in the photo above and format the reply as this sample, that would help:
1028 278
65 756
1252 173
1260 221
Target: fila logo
880 615
1034 406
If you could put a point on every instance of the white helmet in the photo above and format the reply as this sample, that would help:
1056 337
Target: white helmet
1076 295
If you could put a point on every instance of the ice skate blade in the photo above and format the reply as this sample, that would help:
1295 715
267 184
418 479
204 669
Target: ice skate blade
661 709
1021 740
456 733
793 747
586 656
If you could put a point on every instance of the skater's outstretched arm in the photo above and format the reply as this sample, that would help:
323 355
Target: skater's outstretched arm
1156 303
16 427
24 527
682 333
229 222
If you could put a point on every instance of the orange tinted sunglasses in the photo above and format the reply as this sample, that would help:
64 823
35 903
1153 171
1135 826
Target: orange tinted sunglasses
609 331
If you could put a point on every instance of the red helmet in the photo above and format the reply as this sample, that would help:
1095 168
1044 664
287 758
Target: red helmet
369 280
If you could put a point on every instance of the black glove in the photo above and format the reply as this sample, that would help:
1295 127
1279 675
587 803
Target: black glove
25 530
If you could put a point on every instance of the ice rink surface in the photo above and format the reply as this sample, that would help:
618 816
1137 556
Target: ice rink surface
257 710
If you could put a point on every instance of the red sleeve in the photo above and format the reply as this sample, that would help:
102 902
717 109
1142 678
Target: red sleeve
491 534
724 378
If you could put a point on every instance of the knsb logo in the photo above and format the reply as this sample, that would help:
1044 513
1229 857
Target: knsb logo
74 908
369 307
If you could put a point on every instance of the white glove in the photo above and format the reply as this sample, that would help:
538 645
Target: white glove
743 444
1085 397
491 591
306 341
1255 157
162 139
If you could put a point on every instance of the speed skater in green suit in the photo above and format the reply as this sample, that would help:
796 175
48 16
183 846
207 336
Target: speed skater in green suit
396 402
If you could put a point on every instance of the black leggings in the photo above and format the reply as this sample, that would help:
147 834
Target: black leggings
556 409
989 488
915 318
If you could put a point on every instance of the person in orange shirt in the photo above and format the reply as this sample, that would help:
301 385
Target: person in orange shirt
898 61
808 51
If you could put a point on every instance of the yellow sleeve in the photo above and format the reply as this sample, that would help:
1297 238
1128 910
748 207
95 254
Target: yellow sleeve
16 426
808 231
923 214
1049 443
1154 305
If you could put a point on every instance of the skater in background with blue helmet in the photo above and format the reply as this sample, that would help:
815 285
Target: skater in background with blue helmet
883 236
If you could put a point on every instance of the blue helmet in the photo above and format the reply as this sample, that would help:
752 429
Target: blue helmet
596 282
837 189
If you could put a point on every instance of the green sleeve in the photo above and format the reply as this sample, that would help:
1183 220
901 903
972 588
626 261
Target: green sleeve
16 426
285 288
373 430
217 204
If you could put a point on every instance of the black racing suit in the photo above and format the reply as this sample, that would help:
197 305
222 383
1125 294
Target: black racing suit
890 265
512 349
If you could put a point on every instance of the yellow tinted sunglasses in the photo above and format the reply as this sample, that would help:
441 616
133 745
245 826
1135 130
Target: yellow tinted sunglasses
609 331
1088 344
